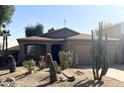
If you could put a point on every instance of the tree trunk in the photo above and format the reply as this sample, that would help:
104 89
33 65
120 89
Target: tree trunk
3 43
6 43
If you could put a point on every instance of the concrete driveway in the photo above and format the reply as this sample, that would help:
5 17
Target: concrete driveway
116 72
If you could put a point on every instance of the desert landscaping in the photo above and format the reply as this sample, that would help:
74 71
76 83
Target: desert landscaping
59 57
84 78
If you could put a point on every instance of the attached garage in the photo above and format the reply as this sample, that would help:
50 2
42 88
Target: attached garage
81 45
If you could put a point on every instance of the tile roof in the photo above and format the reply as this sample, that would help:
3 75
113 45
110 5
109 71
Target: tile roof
33 38
14 48
85 37
62 29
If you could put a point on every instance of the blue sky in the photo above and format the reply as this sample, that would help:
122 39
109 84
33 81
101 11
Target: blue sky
80 18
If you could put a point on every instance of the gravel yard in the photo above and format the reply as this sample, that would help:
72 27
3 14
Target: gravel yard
41 78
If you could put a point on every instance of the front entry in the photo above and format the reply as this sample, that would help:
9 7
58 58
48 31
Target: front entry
55 48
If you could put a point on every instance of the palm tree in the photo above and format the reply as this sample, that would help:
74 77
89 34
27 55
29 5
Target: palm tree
5 33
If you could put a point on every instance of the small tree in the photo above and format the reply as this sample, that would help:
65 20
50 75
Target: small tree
98 54
51 30
35 30
6 12
39 29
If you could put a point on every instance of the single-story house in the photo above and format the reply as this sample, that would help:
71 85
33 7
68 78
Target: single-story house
10 51
68 40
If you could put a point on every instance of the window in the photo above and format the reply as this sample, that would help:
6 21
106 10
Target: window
35 49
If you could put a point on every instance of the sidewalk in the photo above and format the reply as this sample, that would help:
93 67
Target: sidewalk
116 72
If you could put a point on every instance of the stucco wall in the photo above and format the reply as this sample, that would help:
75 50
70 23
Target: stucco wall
82 48
22 47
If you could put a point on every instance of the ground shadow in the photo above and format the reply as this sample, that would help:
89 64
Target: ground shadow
84 66
4 68
21 76
45 78
4 74
89 83
118 66
44 85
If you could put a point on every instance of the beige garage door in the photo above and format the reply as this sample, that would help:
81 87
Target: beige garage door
83 52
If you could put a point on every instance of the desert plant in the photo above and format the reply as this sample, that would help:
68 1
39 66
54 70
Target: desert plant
98 54
12 63
42 63
49 61
58 70
75 61
68 59
29 65
63 62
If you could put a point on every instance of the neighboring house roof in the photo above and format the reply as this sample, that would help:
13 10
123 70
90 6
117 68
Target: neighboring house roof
62 29
74 36
14 48
113 25
35 38
61 33
85 37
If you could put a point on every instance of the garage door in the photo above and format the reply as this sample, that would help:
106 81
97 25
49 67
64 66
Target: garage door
83 52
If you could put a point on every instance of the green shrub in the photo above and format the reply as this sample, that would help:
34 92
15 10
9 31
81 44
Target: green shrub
68 59
29 65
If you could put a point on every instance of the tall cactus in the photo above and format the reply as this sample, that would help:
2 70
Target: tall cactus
49 61
98 55
42 63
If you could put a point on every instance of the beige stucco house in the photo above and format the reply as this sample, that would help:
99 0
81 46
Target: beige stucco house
68 40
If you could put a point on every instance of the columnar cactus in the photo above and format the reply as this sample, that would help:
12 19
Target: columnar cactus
98 55
42 63
49 61
12 63
58 70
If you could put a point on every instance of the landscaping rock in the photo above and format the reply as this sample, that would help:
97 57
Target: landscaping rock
7 82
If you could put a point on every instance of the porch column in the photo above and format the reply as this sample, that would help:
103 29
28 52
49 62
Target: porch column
21 54
48 48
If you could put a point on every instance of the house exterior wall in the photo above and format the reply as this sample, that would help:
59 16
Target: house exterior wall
22 47
82 48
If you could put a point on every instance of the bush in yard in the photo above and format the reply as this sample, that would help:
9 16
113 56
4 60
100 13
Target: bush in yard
29 65
68 59
63 60
49 61
98 55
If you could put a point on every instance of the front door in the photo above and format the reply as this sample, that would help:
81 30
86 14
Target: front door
55 48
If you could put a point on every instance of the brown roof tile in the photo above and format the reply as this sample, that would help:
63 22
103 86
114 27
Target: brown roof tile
33 38
85 37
